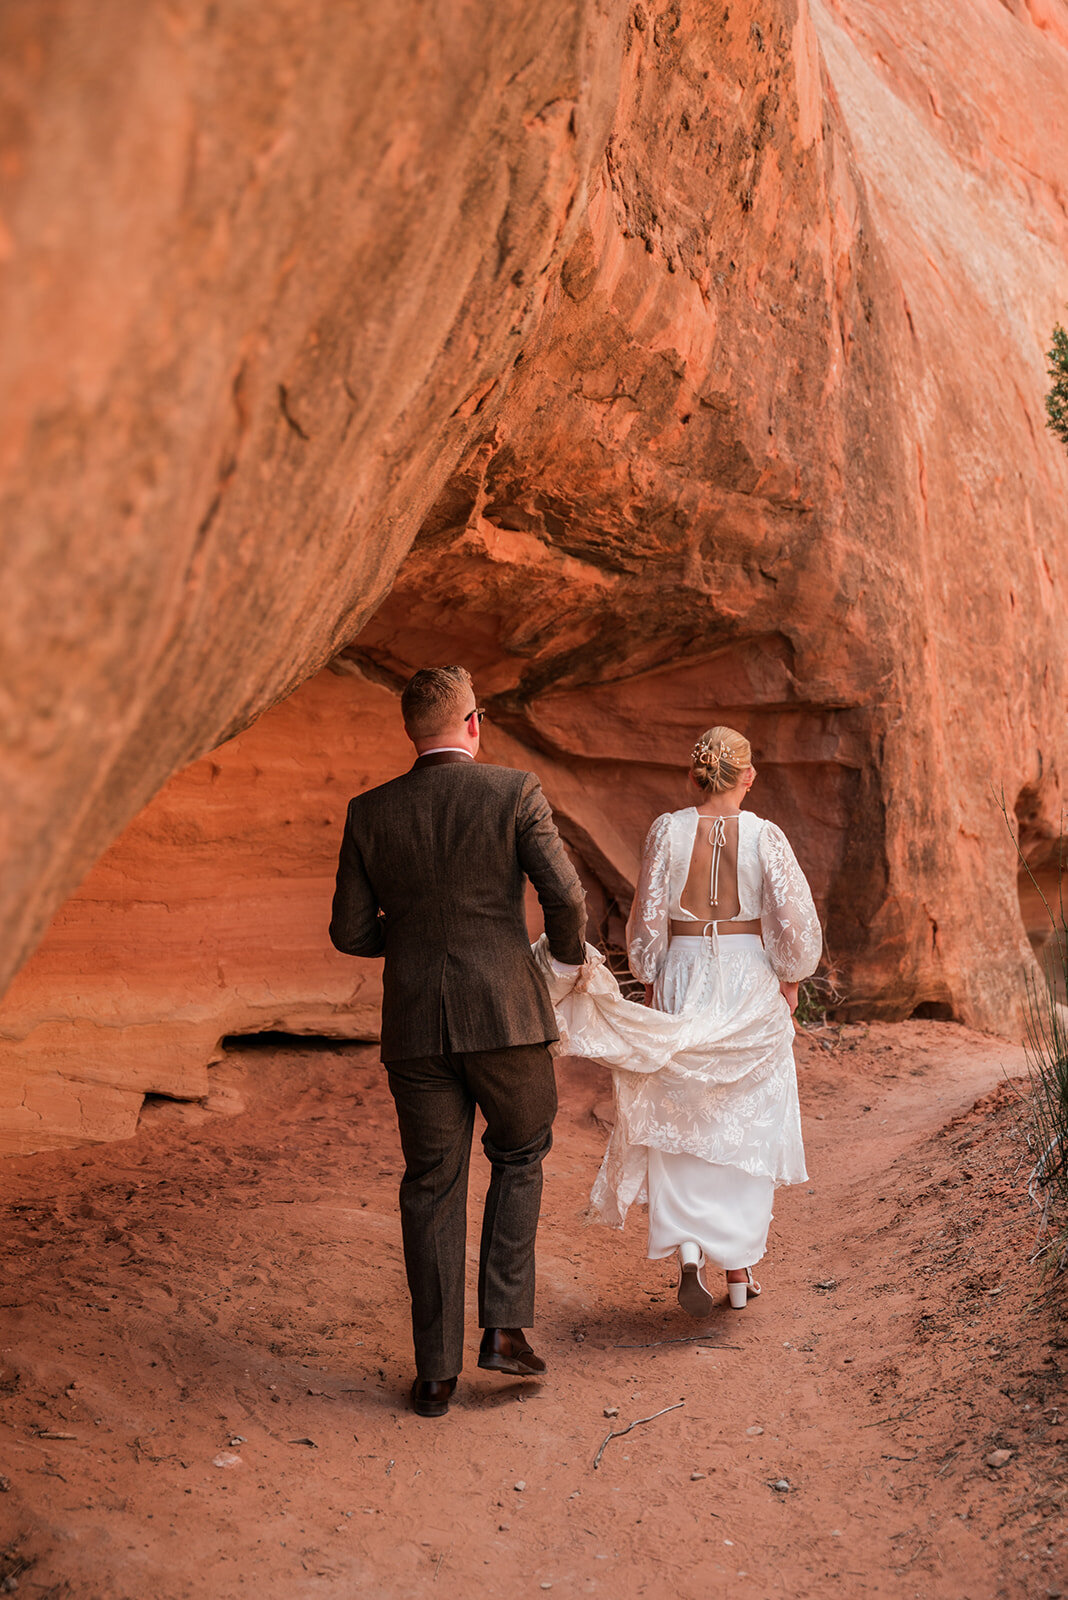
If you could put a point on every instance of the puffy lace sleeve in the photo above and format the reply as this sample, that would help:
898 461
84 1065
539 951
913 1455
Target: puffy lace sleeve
647 925
792 935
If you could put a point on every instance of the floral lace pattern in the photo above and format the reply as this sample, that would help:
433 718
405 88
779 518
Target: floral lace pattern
647 926
708 1069
771 886
710 1072
788 921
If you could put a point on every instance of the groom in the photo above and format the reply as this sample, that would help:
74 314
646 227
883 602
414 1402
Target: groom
431 876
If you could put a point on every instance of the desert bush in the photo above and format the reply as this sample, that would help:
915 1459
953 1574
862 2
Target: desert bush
815 997
1057 398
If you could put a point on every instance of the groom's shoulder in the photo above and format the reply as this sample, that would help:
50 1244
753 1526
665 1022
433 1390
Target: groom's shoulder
507 782
369 802
504 777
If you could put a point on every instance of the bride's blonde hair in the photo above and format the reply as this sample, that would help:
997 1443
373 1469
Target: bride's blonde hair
719 759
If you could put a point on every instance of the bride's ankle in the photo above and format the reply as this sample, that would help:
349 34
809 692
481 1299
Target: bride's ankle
738 1275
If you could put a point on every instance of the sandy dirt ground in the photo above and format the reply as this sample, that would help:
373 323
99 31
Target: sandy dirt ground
205 1358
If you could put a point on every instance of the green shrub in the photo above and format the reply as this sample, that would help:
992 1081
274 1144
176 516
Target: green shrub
815 997
1057 399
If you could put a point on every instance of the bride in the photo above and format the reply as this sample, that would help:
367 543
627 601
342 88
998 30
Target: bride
707 1120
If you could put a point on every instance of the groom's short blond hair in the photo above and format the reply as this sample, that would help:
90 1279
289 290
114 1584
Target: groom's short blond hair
434 700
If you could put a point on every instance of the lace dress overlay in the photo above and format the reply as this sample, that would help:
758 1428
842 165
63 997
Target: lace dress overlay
708 1069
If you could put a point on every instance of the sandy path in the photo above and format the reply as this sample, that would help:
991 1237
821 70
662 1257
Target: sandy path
239 1278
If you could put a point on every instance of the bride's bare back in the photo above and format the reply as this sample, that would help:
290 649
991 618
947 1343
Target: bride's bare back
697 894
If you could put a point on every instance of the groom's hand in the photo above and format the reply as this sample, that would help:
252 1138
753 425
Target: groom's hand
648 995
565 969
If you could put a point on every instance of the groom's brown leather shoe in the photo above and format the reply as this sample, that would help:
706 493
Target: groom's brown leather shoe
431 1396
507 1350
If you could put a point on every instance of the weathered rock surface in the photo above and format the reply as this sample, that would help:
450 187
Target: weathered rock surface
263 273
207 917
776 456
703 347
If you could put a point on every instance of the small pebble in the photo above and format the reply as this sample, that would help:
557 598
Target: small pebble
753 1433
238 1438
611 1411
503 1527
781 1486
521 1485
225 1460
848 1359
695 1477
546 1585
999 1458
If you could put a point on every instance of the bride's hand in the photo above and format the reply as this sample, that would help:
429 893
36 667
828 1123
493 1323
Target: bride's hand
648 995
789 994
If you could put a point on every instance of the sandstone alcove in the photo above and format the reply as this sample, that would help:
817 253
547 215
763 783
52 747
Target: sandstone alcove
642 366
666 363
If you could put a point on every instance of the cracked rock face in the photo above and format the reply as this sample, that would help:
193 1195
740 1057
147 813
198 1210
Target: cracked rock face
682 364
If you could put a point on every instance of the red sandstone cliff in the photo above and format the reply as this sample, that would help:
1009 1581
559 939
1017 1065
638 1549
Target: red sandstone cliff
264 269
698 349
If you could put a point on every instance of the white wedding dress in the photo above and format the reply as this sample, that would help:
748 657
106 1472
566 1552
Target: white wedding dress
707 1115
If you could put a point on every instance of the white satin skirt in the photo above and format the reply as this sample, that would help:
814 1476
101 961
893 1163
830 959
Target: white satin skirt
724 1210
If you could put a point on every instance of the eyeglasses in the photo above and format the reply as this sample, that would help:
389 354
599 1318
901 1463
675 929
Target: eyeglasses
477 712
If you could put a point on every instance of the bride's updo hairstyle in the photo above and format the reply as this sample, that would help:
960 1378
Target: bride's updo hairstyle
719 760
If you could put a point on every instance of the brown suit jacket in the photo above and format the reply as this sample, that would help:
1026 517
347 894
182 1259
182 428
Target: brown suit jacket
431 876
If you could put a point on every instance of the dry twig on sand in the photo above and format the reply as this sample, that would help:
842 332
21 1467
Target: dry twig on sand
619 1432
691 1338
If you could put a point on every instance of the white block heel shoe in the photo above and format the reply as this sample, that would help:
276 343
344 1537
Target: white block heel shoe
740 1293
694 1298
